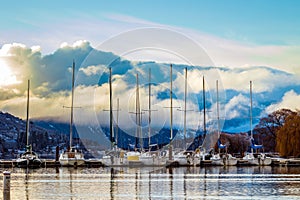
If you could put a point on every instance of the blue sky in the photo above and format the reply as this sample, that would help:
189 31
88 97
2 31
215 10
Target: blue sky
234 33
258 22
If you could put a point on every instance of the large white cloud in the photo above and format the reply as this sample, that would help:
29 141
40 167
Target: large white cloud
92 70
290 100
236 107
51 84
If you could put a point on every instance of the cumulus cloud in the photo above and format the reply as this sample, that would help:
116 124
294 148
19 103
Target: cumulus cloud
264 79
40 107
51 84
92 70
237 106
290 100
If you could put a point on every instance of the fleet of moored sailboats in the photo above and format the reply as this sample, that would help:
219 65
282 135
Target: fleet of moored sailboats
147 157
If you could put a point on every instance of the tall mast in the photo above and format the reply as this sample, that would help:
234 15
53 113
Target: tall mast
171 106
72 103
149 107
138 111
117 129
251 109
110 109
171 116
204 109
251 113
185 96
27 115
218 108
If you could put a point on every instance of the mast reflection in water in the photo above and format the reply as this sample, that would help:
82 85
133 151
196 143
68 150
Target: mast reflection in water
157 183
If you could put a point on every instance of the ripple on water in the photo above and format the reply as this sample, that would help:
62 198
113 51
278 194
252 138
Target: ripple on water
177 183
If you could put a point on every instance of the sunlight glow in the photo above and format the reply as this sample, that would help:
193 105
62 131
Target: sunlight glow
6 75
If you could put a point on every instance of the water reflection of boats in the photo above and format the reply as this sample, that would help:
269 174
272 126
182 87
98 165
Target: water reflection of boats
73 156
29 159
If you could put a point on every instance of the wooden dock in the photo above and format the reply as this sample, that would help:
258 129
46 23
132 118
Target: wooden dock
286 162
94 163
50 163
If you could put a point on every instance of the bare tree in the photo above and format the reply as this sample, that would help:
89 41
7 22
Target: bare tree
266 131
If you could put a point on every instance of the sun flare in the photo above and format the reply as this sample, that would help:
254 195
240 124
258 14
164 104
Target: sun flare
6 75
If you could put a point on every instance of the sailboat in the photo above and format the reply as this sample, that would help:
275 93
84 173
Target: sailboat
151 158
216 159
261 159
183 157
72 156
29 159
176 157
170 151
200 153
115 156
133 157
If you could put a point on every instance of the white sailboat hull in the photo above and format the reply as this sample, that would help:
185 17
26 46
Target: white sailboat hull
181 158
261 160
217 160
113 161
226 160
149 159
71 159
231 162
266 161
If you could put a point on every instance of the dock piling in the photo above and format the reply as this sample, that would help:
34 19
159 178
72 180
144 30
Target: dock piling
6 185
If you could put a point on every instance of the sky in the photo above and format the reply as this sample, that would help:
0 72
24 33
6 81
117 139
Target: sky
243 40
257 22
232 32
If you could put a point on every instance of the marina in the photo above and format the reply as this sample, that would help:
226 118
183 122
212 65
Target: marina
50 163
150 100
141 155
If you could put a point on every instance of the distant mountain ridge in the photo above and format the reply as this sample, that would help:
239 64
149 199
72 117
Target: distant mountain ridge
11 125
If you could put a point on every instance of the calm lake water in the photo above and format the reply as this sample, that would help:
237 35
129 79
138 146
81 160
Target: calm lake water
156 183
